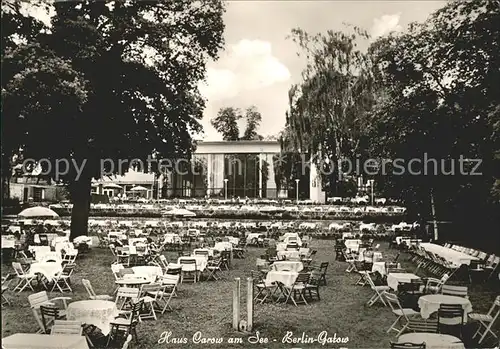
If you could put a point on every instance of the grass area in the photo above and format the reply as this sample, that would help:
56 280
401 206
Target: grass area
206 307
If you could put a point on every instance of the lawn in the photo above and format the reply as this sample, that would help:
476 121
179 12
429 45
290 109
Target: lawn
207 307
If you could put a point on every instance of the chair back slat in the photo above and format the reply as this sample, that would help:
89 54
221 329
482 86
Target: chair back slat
451 290
408 345
65 327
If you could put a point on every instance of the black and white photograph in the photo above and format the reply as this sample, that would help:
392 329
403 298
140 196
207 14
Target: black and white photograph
261 174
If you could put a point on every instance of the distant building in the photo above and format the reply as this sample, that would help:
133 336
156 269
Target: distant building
31 188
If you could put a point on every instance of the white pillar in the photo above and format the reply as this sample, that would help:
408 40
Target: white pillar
209 174
315 188
260 175
271 183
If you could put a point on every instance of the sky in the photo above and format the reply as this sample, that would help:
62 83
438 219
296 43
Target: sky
259 64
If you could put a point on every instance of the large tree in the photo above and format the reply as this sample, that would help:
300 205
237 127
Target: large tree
329 108
110 80
442 98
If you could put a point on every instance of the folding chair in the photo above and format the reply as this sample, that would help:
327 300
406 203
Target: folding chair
322 271
312 287
486 321
25 279
264 289
149 295
351 259
400 312
6 280
65 327
378 291
92 295
422 325
125 297
169 287
41 298
63 279
127 326
450 319
213 268
189 270
298 288
49 314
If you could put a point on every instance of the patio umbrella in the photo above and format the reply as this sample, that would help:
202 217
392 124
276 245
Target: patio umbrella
180 212
38 212
112 186
139 188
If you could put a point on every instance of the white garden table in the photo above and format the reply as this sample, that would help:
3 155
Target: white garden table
44 341
286 277
455 257
430 303
432 340
93 312
394 279
295 266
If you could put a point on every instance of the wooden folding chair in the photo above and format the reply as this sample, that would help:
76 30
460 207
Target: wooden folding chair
378 291
214 268
126 326
149 295
65 327
6 280
92 295
298 289
63 279
169 285
125 297
25 279
264 289
400 312
450 319
41 298
486 321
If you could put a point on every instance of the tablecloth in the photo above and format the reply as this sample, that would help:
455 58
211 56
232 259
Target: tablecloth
223 246
455 257
288 255
197 251
150 272
201 263
430 303
432 340
93 312
8 241
44 341
39 251
369 258
47 269
380 267
286 277
352 244
295 266
393 279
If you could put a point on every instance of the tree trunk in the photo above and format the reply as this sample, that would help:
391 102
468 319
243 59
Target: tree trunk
80 197
435 222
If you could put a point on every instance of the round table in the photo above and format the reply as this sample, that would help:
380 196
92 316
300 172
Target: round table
288 255
430 303
287 266
286 277
47 269
149 272
93 312
132 282
432 340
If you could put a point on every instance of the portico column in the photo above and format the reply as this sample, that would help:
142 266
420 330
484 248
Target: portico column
209 174
260 175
